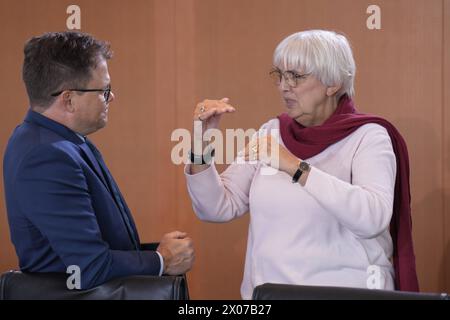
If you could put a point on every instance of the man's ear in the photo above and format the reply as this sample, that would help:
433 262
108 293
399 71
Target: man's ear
331 91
67 100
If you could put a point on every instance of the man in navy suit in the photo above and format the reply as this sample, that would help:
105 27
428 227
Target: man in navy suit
64 207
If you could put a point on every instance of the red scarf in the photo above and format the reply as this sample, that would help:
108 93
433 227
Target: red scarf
307 142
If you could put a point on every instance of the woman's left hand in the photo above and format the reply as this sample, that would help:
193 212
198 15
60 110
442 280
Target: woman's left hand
269 151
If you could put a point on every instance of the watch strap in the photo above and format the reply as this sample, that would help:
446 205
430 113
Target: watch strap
297 175
204 158
302 167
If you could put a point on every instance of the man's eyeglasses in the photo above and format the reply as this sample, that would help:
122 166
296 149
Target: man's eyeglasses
106 92
290 77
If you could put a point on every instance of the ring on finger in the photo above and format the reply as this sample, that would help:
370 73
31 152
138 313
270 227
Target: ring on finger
202 109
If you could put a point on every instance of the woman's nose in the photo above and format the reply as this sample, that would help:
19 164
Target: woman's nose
284 86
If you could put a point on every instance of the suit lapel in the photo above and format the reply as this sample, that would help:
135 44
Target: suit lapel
94 164
124 205
115 192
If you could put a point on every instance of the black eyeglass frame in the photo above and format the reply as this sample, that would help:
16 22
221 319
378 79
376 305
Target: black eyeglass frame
291 79
106 92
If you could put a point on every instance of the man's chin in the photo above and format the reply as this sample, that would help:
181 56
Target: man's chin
102 123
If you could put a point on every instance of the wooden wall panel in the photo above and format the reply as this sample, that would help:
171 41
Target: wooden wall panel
171 54
445 265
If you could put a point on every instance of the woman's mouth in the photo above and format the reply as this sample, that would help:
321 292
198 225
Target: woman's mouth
290 102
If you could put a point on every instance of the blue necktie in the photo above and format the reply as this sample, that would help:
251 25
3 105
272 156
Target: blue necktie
115 192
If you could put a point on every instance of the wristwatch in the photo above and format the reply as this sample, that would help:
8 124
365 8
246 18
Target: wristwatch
302 167
205 158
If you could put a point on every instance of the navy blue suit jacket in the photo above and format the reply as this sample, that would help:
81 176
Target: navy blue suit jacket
61 210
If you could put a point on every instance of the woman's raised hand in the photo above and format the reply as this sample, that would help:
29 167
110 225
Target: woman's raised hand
209 112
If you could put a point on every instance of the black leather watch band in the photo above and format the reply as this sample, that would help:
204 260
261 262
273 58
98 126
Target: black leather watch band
302 167
203 159
297 175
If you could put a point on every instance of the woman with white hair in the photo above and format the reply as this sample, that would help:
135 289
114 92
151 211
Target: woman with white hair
336 212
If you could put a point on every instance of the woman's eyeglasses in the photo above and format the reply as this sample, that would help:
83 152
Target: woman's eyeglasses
290 77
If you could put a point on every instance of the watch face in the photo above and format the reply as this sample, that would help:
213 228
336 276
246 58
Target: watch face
304 166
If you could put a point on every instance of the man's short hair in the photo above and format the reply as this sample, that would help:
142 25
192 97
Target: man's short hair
58 61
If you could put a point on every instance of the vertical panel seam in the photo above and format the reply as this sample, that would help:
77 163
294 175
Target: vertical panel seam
443 145
175 111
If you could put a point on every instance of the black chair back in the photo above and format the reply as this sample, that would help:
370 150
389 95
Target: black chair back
272 291
15 285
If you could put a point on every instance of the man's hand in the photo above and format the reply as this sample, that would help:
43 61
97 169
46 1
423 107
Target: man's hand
177 252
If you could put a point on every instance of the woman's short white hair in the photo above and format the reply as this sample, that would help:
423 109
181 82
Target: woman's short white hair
325 54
